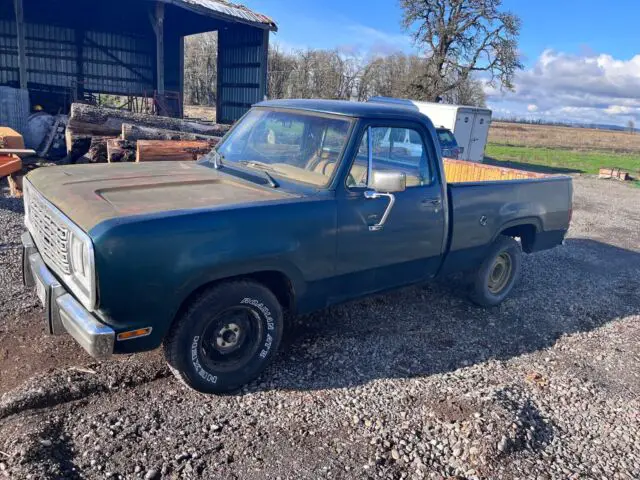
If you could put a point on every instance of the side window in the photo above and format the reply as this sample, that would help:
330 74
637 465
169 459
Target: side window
395 149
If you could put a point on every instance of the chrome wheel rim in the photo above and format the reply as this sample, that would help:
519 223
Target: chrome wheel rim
500 273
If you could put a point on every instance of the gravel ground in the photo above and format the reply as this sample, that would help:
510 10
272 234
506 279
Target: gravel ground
418 383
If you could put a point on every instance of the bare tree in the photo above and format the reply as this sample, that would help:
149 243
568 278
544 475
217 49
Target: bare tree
281 66
631 125
200 69
401 75
468 92
460 38
323 74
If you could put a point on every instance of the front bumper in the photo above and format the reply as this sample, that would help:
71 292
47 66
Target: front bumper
63 312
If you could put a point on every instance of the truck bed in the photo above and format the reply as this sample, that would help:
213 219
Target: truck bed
485 201
459 171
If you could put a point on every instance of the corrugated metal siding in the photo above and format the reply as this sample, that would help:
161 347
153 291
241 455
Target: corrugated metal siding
8 53
241 71
112 63
116 63
51 55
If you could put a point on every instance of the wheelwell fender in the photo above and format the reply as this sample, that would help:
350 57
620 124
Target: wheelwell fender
286 284
525 228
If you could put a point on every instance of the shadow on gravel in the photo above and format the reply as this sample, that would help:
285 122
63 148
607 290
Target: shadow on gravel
54 449
531 430
12 204
422 331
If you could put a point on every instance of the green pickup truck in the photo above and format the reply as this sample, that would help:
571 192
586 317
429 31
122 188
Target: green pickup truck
303 204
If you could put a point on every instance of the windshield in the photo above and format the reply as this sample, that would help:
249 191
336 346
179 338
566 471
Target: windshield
295 145
446 138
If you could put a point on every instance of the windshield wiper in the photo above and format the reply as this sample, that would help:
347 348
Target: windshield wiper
262 167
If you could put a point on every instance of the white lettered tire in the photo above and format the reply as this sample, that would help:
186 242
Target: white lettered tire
226 337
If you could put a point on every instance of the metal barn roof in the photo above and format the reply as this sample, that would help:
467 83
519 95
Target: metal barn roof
226 11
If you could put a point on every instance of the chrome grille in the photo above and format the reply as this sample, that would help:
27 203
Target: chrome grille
50 234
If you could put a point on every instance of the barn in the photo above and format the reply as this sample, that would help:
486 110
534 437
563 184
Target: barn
63 51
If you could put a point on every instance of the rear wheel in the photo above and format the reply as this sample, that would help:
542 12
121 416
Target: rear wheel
498 274
226 338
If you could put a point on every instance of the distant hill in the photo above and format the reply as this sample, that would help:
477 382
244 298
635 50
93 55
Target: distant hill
597 126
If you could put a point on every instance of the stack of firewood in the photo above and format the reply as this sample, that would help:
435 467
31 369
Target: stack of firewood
99 135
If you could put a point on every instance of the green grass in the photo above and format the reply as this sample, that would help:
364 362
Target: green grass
561 161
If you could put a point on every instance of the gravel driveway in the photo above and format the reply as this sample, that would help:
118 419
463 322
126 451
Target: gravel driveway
418 383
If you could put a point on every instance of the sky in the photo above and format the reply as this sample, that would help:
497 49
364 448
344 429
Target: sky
581 57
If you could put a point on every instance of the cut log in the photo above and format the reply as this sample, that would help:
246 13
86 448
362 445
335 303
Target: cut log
77 143
176 150
120 150
98 150
93 120
93 148
140 132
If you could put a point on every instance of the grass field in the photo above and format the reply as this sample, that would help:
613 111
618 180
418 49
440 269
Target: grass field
550 149
563 138
562 161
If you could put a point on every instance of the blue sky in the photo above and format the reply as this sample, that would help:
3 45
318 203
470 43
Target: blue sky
579 55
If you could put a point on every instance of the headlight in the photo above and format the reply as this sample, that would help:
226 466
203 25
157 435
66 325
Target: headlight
79 273
79 259
82 268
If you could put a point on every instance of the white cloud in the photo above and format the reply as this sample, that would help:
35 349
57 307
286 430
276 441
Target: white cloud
350 37
619 110
376 41
586 88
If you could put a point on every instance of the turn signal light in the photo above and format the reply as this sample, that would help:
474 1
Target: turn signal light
141 332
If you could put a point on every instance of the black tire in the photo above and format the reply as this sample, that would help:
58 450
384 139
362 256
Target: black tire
226 337
487 289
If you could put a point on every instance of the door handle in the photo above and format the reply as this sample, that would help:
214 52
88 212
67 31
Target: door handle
434 202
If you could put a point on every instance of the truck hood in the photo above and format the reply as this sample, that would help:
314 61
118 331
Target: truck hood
91 194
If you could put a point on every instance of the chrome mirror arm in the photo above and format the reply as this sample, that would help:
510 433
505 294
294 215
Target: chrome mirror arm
372 195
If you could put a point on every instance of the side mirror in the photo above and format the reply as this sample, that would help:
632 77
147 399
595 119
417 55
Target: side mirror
385 184
389 182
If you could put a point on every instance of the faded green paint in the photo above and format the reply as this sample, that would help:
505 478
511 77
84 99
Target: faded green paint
91 194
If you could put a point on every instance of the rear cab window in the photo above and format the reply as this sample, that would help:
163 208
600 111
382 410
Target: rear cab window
446 138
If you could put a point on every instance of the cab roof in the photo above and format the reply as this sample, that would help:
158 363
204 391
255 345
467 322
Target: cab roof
349 109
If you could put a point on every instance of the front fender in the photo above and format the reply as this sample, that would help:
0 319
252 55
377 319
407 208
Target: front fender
148 267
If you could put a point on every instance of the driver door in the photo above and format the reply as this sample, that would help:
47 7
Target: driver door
408 247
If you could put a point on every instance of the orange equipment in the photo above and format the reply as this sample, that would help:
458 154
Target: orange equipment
10 140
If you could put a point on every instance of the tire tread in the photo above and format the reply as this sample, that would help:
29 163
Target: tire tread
171 345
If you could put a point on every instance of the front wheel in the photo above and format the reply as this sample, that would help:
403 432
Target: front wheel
498 274
226 338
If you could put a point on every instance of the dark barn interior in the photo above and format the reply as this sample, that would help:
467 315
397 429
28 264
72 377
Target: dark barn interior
67 50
